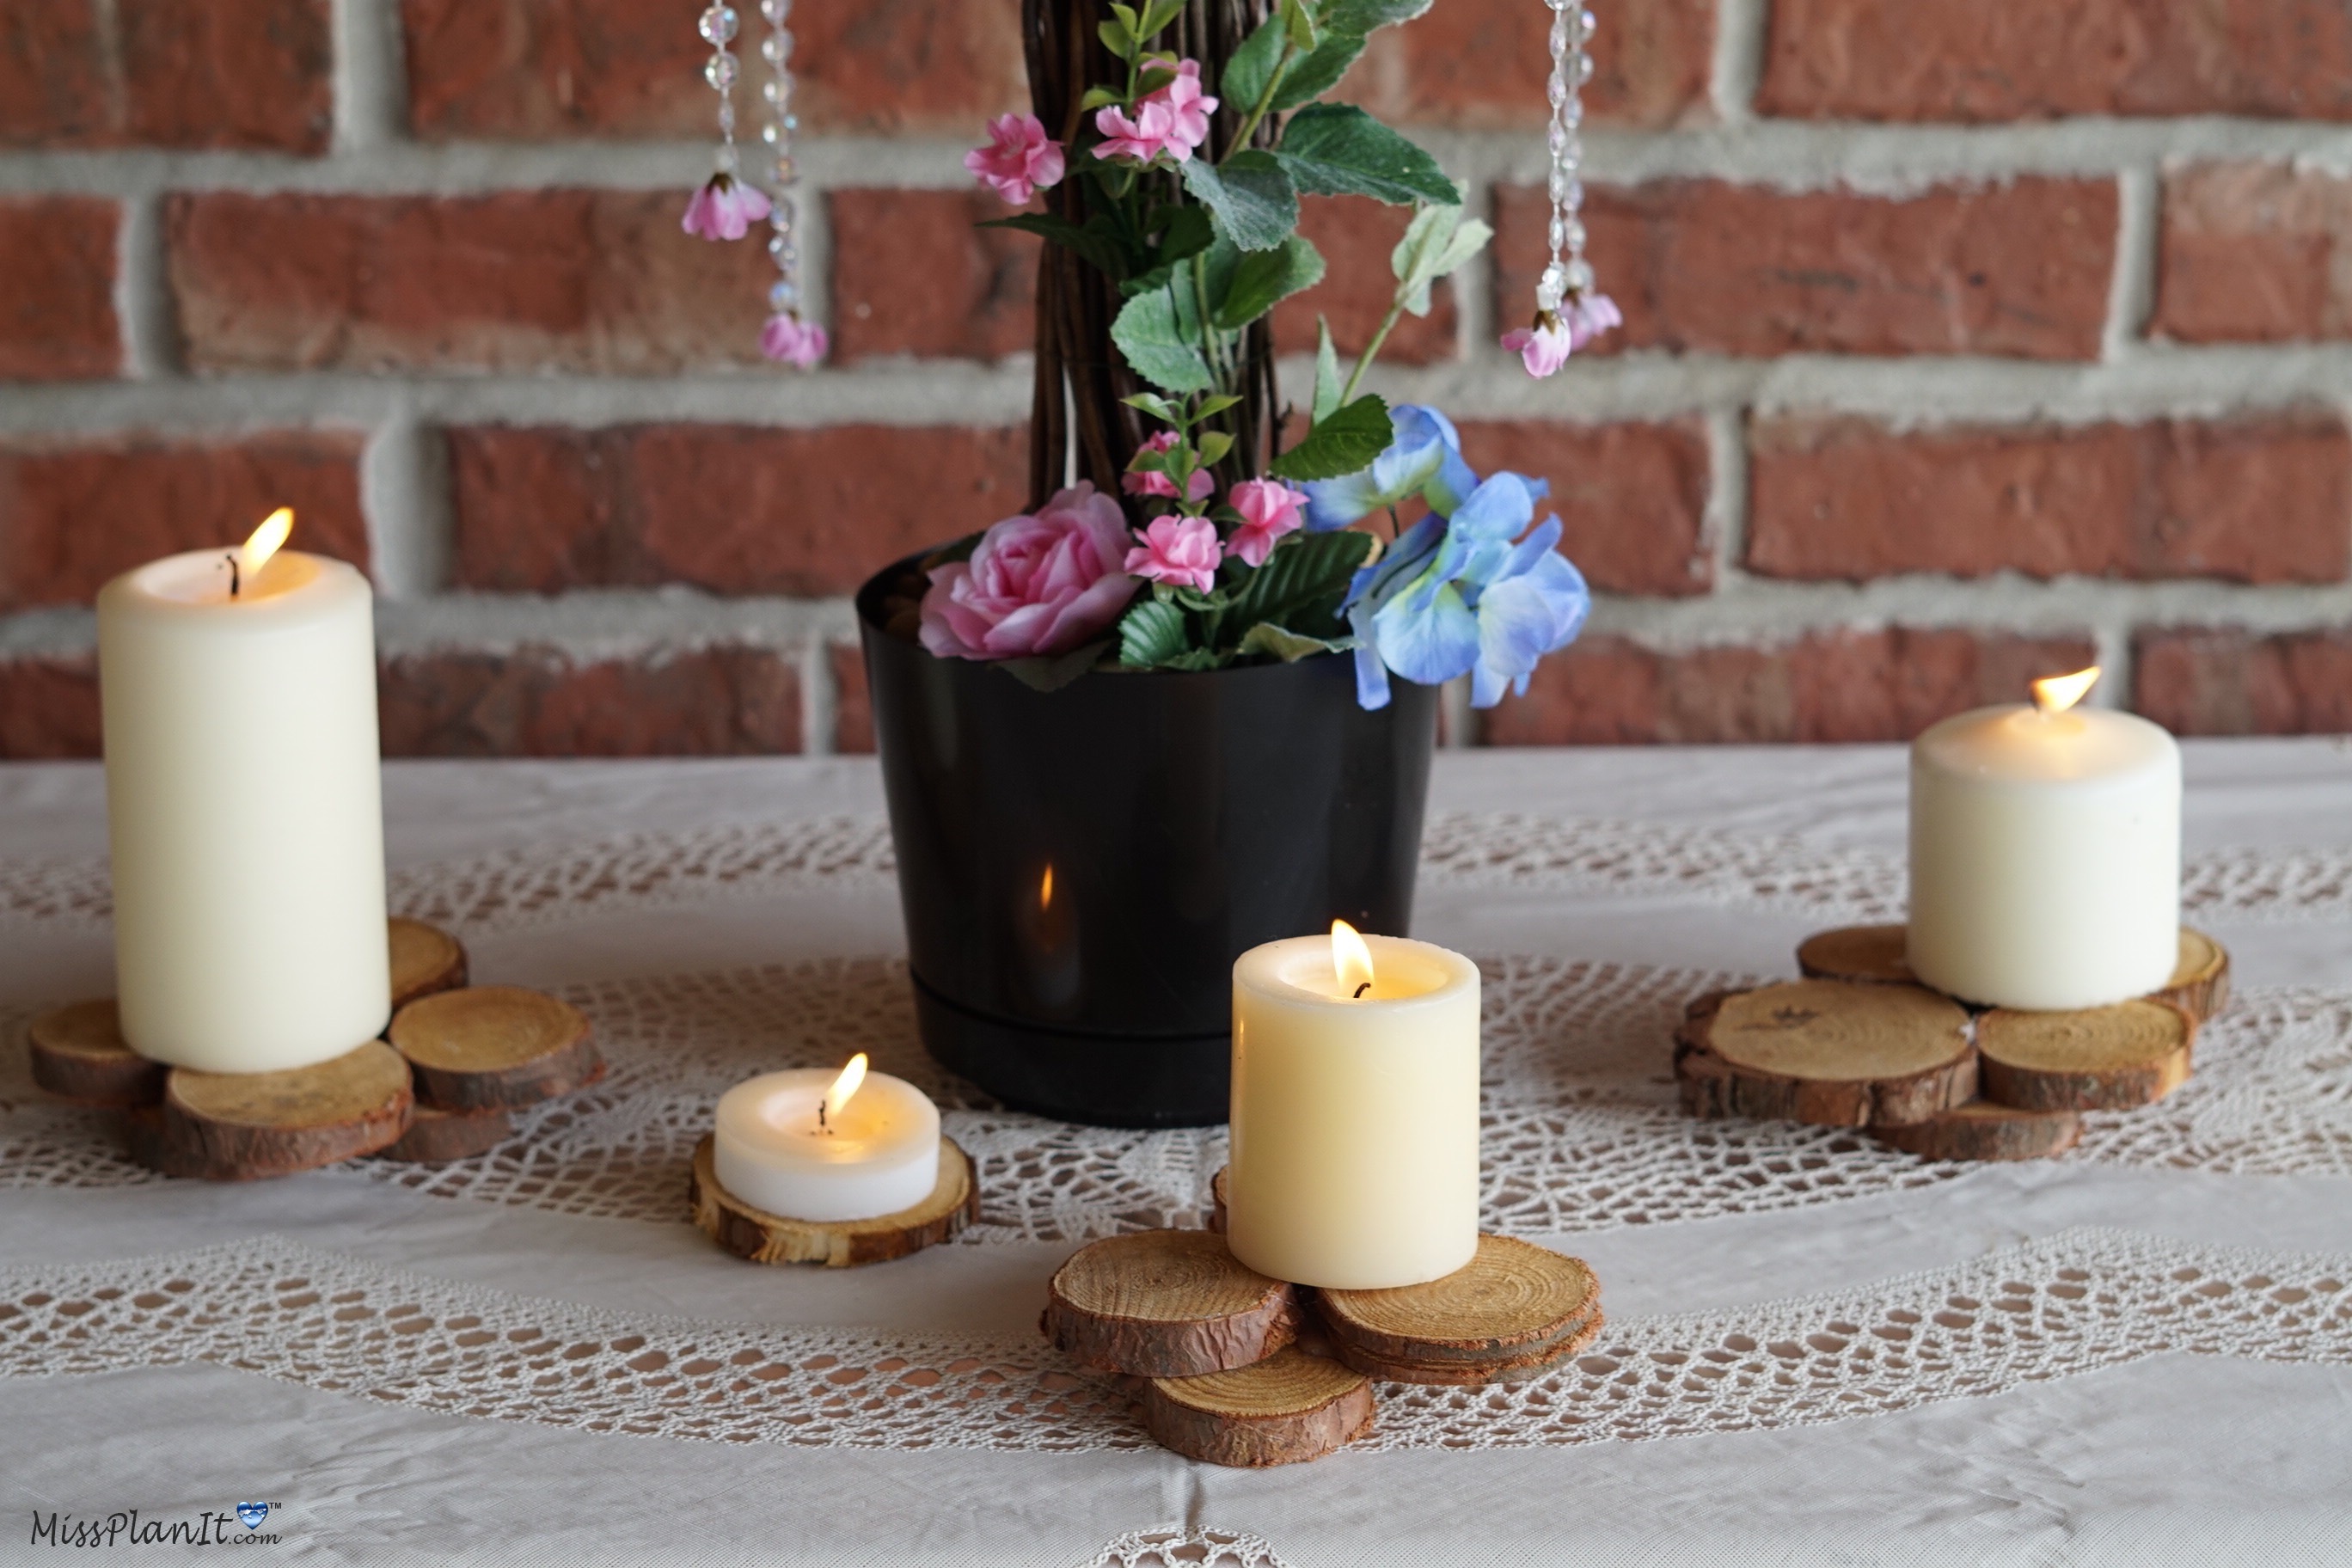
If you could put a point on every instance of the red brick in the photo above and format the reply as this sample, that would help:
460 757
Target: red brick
223 73
911 275
853 704
2021 270
544 70
1948 59
57 305
2265 500
2254 252
1826 687
601 281
728 508
1632 499
73 514
48 708
1356 237
1482 65
539 703
2221 681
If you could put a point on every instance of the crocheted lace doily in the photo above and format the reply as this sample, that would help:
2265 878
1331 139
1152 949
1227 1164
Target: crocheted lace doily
1581 1130
1782 872
2071 1303
1185 1546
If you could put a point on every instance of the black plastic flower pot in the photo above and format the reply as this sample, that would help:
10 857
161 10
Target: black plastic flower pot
1080 868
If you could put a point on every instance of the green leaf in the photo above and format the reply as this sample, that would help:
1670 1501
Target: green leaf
1097 245
1367 17
1213 445
1319 72
1186 231
1302 582
1438 242
1118 40
1326 372
1286 645
1255 204
1151 633
1209 407
1298 24
1052 672
1336 149
1347 439
1158 407
1100 98
1157 15
1252 65
1160 334
1264 277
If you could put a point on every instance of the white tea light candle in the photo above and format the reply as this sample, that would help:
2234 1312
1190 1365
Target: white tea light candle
813 1144
2045 853
1355 1112
244 806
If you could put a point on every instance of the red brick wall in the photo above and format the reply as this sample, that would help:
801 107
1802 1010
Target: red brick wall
1961 345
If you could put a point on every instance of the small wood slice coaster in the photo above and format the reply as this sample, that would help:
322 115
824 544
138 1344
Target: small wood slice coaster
1982 1131
1167 1303
763 1238
1455 1374
1289 1407
78 1052
1858 952
1831 1053
435 1135
425 960
2102 1058
2200 986
233 1127
1514 1308
495 1048
1217 1191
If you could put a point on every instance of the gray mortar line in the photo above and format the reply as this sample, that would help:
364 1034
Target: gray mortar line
405 497
1724 523
820 699
371 76
2132 294
1737 65
141 306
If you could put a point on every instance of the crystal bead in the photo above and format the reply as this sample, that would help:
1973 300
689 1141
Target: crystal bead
1573 237
1588 23
781 249
775 11
718 25
1580 276
1551 287
776 48
1580 69
771 134
1557 138
784 295
787 171
792 122
775 92
1557 237
720 72
1556 92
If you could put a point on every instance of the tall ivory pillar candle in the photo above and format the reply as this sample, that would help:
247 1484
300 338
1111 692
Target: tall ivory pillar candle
2045 854
1355 1112
245 809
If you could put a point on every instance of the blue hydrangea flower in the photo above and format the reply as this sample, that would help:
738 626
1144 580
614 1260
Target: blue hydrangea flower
1423 458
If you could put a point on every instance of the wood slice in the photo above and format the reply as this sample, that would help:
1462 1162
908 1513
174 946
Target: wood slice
1831 1053
425 960
763 1238
2101 1058
1217 1199
495 1048
436 1135
1463 1374
1289 1407
78 1052
1513 1300
2200 986
1858 952
232 1127
1167 1303
1981 1130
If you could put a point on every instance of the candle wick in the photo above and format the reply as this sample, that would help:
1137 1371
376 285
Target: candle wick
233 582
1366 986
820 1118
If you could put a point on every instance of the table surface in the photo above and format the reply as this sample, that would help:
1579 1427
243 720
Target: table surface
1817 1351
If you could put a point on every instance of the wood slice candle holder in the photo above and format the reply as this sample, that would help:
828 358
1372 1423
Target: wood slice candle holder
1982 1131
495 1048
1514 1312
2102 1058
2200 986
1167 1303
1828 1053
762 1237
233 1127
1289 1407
425 960
78 1053
436 1136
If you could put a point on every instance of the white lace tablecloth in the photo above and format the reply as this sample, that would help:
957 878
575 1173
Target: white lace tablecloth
1816 1350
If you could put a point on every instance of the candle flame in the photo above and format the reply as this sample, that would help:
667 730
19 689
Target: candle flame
1351 960
2056 693
844 1086
267 540
1045 890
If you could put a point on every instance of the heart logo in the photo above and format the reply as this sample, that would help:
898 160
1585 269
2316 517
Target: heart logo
253 1513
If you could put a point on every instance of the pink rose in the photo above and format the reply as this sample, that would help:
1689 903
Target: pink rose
1019 161
1181 551
726 209
791 341
1042 585
1269 510
1148 483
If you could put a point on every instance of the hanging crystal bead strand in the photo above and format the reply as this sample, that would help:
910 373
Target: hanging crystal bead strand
716 26
1569 310
788 336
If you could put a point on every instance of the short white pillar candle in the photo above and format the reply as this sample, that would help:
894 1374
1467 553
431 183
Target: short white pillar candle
1355 1112
816 1144
2045 854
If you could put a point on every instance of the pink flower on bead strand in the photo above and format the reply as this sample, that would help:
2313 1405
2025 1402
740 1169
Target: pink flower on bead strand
791 341
1019 161
1544 347
1269 510
1155 484
726 209
1181 551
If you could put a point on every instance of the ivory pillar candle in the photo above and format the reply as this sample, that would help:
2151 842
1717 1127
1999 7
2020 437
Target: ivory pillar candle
244 808
1355 1112
2045 854
815 1144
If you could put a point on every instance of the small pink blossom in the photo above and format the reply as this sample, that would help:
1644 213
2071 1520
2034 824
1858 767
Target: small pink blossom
1189 109
725 208
1151 133
1148 483
1180 551
1269 510
1020 159
1544 347
1042 585
1589 316
791 340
